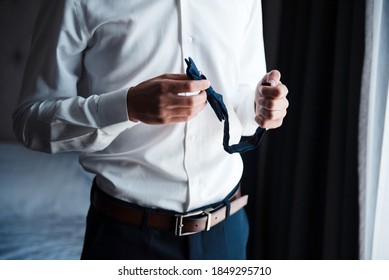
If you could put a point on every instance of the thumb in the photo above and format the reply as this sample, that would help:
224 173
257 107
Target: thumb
273 77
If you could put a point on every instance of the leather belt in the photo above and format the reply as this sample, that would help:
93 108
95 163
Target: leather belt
182 224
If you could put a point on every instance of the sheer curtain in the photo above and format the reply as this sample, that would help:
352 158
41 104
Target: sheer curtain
374 135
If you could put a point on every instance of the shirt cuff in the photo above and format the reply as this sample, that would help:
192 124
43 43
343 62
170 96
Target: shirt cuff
246 113
112 108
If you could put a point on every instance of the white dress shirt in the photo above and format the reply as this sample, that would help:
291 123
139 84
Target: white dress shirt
85 56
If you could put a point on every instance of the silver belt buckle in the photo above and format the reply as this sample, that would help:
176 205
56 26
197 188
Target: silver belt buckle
180 221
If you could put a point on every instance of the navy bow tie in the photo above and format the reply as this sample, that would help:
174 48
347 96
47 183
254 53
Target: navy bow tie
216 101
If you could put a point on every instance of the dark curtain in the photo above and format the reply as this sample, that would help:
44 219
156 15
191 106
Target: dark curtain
303 180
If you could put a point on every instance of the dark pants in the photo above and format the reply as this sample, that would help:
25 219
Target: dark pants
106 239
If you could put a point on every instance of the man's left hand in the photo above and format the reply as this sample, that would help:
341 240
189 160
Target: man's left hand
270 101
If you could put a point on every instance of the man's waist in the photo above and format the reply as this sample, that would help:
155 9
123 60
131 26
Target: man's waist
175 195
202 219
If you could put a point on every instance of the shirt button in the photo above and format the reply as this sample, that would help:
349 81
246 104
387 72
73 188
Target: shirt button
189 39
192 138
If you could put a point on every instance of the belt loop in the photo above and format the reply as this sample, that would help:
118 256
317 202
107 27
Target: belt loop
145 219
228 207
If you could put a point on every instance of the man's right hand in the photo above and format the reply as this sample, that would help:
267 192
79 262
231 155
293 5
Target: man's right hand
156 101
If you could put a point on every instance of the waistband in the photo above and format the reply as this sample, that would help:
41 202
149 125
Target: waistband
179 223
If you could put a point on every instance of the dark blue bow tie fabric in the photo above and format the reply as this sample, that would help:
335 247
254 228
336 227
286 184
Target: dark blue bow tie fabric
216 101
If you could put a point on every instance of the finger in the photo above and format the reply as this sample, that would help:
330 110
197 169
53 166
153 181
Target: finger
271 114
173 76
273 104
265 123
173 114
277 92
185 112
188 101
273 77
178 86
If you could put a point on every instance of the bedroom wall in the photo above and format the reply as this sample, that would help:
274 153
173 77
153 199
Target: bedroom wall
44 198
16 23
25 173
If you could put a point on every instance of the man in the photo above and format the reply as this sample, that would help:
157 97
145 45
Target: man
106 78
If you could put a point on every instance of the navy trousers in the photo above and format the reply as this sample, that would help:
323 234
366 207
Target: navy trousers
108 239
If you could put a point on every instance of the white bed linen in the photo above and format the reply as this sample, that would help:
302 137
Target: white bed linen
43 203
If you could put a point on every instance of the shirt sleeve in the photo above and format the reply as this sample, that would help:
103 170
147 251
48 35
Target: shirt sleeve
252 69
52 116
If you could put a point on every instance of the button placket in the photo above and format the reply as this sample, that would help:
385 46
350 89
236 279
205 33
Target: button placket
186 37
189 39
191 139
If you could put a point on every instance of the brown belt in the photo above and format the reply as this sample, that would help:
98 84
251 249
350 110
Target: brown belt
182 224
